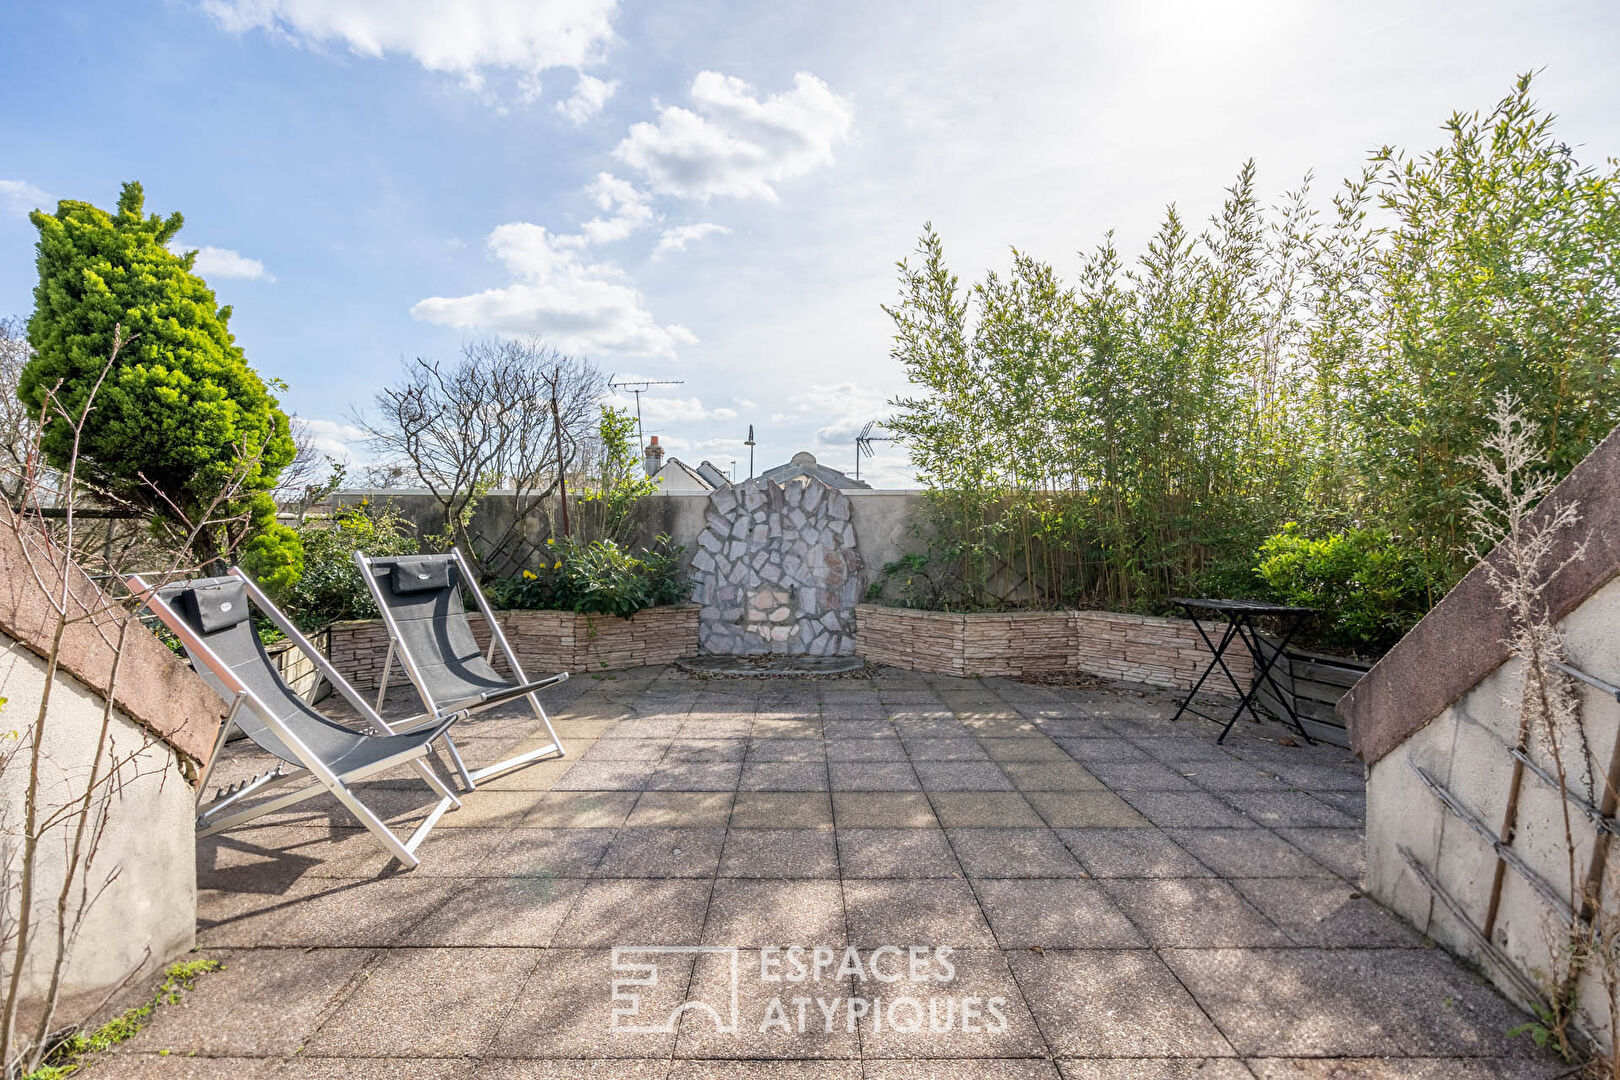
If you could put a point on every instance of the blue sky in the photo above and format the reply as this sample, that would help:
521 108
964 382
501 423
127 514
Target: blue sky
713 192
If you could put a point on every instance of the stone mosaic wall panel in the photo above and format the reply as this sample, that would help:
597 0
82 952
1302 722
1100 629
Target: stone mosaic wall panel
777 570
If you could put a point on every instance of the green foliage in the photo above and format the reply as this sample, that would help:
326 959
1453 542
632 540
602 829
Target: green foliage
1370 589
1139 432
67 1058
597 577
330 587
609 501
181 418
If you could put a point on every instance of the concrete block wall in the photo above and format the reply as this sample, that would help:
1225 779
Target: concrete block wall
1133 648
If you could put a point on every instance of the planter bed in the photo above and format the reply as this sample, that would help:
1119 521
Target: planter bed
545 642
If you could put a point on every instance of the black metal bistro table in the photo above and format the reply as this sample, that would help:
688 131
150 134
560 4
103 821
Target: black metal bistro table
1241 618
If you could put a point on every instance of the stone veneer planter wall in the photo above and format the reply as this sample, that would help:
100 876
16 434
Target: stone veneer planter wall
1133 648
545 642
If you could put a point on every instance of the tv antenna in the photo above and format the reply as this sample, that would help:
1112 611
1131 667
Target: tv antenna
638 387
864 441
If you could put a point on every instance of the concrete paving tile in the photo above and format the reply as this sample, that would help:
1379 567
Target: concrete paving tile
1252 853
1154 1069
580 809
1353 804
644 727
1131 853
932 749
1085 810
1405 1068
941 911
1013 853
177 1067
315 912
779 853
560 853
979 1007
691 809
1325 911
633 911
426 1003
1051 776
1001 726
1349 1003
711 727
1343 851
783 776
1288 808
1055 914
695 776
875 749
896 853
606 776
872 776
1194 913
984 810
786 750
961 776
265 1003
626 750
1174 809
963 1069
306 1067
662 853
839 729
1124 776
1114 1003
566 1010
753 914
1227 774
573 1069
883 810
786 727
766 1070
523 912
770 1023
782 810
1106 747
488 809
705 750
1026 748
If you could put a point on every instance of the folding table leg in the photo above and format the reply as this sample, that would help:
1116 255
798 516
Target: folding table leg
1226 639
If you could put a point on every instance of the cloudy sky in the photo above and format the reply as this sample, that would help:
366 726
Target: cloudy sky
706 191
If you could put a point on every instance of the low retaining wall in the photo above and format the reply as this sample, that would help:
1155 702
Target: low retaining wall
545 642
1132 648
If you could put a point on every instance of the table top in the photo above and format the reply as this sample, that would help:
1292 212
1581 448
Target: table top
1241 607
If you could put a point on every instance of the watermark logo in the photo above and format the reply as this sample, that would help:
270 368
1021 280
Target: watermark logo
902 989
636 971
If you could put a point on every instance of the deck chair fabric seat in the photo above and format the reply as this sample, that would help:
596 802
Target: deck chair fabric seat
212 618
420 597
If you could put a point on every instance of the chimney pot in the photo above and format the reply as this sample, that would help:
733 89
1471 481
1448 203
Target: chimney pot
653 460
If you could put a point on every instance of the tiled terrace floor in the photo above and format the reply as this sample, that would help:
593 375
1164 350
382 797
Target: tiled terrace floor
1148 904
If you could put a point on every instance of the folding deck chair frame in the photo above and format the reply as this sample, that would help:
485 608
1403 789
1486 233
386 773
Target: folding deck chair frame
308 765
476 701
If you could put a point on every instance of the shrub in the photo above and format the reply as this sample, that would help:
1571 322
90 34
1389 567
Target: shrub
1369 589
330 587
597 578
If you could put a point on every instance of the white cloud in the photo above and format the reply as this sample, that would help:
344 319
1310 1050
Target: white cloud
677 237
467 38
628 209
19 197
672 410
736 144
578 306
589 97
330 438
215 262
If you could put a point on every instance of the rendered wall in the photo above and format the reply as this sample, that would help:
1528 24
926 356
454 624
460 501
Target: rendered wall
147 915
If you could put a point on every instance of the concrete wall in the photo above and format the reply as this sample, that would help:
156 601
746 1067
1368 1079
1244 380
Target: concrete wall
147 915
1464 748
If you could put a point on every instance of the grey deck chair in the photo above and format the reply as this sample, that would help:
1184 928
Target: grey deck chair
420 600
210 616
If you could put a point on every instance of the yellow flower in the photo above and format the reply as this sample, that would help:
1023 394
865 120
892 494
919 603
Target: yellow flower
528 575
551 540
557 565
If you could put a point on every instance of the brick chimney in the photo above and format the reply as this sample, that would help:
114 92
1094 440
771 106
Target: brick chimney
654 459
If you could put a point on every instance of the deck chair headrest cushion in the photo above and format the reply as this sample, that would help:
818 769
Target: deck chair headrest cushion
421 573
217 606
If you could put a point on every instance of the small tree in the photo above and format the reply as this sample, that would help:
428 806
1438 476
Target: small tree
180 417
615 477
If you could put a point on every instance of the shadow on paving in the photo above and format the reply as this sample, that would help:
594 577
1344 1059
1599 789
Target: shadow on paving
1110 894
